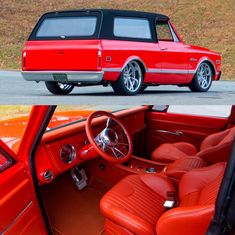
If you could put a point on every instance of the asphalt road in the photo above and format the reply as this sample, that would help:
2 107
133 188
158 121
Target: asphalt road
14 90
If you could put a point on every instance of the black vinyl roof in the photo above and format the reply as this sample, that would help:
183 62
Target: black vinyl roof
105 19
116 12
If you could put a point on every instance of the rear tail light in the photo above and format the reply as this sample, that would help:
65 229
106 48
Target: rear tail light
24 60
99 58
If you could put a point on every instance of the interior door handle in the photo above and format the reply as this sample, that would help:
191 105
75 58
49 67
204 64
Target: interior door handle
164 48
177 133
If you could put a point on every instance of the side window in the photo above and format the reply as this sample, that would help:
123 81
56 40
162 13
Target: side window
5 161
128 27
164 32
222 111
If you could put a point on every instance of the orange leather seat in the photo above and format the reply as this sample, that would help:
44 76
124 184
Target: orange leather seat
214 148
135 204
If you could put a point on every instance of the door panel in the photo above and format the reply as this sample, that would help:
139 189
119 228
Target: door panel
174 65
170 128
18 214
173 54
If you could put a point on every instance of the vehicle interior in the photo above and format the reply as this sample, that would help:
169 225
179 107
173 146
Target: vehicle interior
142 170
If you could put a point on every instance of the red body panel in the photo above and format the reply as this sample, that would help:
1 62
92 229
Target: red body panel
62 55
167 66
171 65
174 56
18 204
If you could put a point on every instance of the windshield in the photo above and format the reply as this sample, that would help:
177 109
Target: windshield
65 115
13 119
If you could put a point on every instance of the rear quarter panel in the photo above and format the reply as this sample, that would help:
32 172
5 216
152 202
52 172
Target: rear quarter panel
116 54
198 54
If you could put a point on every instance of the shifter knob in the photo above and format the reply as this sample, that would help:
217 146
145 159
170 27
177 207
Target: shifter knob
150 170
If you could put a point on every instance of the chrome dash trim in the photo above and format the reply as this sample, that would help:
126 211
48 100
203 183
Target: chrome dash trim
177 133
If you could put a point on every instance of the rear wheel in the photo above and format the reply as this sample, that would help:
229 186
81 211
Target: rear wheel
130 80
59 88
202 79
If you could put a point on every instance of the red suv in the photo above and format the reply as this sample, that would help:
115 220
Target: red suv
128 50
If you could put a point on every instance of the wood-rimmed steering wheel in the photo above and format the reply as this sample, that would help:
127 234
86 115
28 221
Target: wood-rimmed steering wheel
114 142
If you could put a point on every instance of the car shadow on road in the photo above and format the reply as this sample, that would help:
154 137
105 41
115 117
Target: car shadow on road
142 94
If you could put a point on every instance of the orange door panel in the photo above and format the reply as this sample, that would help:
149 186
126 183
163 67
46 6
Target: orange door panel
170 128
19 213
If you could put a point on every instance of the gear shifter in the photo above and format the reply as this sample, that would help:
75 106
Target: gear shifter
151 170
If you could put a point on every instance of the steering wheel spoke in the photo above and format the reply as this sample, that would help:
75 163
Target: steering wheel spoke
114 142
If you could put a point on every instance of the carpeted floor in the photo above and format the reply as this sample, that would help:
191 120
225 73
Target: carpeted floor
71 211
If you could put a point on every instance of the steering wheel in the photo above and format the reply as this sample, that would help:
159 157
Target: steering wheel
114 142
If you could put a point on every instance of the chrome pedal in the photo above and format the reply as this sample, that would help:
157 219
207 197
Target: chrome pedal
79 177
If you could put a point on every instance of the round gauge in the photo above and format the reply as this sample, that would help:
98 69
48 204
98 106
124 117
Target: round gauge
67 153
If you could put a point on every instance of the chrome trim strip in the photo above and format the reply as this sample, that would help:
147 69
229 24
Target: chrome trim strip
176 39
171 71
16 218
71 76
112 69
161 71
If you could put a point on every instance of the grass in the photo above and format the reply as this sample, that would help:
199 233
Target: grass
13 111
205 23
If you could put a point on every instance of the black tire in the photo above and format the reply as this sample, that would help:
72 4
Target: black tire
56 88
142 89
196 84
120 86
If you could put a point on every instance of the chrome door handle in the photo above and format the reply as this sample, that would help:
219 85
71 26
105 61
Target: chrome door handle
164 48
177 133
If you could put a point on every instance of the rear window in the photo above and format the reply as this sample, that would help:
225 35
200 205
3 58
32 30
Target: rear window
67 27
131 28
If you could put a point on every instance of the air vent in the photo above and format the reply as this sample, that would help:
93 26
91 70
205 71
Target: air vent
48 175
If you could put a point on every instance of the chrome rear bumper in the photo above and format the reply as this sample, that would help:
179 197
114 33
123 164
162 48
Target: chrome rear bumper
63 76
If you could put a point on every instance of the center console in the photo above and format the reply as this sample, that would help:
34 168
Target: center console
139 165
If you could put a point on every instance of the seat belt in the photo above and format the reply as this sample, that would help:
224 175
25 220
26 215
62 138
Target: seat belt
171 200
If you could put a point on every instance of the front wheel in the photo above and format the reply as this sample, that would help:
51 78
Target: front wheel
202 79
59 88
130 80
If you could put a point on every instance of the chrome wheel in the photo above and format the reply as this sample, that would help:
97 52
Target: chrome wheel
65 86
204 76
132 76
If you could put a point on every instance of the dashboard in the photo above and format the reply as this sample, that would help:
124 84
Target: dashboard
60 148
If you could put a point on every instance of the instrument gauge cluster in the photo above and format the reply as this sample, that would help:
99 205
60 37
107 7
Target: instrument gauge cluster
67 153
